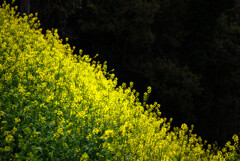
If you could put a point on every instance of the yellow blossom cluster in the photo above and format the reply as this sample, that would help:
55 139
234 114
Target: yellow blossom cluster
58 106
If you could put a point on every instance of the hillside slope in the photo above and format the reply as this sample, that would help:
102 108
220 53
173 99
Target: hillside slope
57 106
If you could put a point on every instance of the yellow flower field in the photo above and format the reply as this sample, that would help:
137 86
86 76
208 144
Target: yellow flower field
58 106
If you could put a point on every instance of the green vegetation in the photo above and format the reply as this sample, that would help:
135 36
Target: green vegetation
58 106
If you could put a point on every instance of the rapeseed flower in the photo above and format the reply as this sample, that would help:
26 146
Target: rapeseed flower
17 120
9 138
59 106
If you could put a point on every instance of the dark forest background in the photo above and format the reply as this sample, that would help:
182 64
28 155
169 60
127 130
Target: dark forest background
188 51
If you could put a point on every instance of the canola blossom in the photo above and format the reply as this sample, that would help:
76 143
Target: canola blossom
59 106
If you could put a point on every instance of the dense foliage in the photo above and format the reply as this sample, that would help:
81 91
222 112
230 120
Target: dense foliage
58 106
